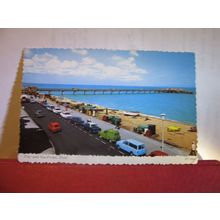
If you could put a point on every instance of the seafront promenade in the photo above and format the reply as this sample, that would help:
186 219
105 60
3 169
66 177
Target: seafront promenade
150 144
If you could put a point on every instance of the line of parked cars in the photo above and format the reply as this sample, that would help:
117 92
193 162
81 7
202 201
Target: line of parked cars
131 146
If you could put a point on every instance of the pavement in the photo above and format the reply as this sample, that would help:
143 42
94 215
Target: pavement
33 139
150 144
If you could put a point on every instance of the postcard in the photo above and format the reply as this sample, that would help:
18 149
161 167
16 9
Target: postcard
98 106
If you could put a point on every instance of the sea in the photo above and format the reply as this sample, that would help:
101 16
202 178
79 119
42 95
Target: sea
177 107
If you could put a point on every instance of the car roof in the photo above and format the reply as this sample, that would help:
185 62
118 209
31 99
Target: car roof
55 123
91 123
143 126
112 131
132 141
158 153
74 117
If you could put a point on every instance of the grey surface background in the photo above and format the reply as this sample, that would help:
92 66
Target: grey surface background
204 42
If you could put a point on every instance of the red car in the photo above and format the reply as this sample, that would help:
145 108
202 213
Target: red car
157 153
54 127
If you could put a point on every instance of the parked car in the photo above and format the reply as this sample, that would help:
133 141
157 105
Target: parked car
39 113
157 153
92 127
133 147
32 99
76 121
25 98
110 135
44 104
57 110
66 114
50 107
54 127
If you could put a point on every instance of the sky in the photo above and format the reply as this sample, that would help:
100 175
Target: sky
109 67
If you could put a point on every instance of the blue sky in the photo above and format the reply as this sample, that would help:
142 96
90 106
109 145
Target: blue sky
109 67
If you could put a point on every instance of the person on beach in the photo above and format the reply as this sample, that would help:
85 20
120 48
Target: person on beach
193 151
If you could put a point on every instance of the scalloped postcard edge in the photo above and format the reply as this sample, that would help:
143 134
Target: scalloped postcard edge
106 160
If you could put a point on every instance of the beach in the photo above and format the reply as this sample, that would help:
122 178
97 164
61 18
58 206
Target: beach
179 139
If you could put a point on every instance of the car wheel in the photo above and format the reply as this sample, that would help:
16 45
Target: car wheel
131 154
117 146
110 141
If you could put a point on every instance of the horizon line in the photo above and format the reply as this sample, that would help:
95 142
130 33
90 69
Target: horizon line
108 85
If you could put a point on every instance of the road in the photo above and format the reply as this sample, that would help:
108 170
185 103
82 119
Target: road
72 139
151 144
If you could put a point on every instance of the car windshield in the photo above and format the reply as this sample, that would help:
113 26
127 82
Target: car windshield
66 113
76 119
141 146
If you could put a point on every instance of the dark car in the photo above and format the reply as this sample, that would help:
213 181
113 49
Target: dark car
39 114
76 121
92 127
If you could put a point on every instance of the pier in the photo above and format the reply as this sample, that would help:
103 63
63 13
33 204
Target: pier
111 91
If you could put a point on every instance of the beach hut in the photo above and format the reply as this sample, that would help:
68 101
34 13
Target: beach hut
140 129
115 120
105 118
148 129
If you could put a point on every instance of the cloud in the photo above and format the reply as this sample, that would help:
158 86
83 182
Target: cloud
80 52
133 53
120 68
28 53
47 63
128 65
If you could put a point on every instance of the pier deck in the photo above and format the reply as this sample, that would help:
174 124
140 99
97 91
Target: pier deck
113 91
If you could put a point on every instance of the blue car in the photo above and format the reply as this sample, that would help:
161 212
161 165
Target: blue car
133 147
